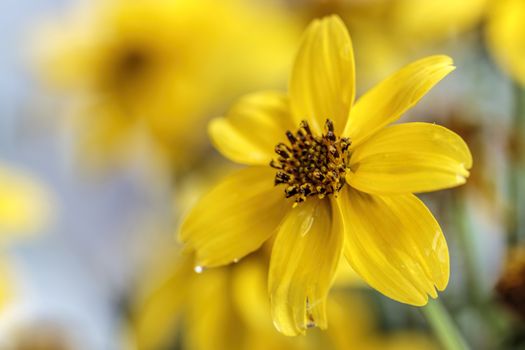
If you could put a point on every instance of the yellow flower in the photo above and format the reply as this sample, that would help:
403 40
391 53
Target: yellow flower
506 36
346 187
149 72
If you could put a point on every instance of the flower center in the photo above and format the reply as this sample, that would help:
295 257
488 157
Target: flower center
129 67
311 165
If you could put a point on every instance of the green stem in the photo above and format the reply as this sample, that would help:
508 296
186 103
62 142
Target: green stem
517 176
443 326
467 240
478 294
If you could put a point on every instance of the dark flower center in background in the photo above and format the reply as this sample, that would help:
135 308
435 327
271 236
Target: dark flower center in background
311 165
131 66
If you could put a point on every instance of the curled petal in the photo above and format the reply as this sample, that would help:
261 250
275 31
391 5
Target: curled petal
304 260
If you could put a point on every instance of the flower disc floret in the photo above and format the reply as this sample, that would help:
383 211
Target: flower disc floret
311 165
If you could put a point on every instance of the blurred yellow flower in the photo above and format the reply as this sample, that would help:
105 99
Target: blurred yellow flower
26 208
436 19
25 205
151 71
505 31
227 308
350 182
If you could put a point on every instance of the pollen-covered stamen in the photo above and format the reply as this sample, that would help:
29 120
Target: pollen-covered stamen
311 165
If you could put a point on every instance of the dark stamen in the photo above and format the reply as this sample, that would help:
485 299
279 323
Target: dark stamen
311 165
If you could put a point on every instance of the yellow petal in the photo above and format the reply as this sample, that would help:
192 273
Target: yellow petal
388 100
395 244
234 218
411 157
252 127
506 36
210 320
346 277
323 81
349 330
250 292
304 260
158 310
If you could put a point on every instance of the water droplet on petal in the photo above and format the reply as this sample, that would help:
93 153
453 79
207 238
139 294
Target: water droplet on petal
236 260
460 179
310 324
198 269
306 225
276 325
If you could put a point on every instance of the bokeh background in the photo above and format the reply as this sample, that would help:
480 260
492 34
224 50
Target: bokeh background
103 148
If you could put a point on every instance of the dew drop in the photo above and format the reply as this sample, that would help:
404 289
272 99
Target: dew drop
198 269
236 260
306 225
277 326
311 324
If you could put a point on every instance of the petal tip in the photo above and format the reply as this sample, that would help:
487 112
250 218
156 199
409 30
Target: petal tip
445 59
335 18
212 129
289 331
442 285
419 302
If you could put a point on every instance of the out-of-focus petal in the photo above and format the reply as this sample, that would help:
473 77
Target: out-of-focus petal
322 85
395 244
388 100
26 206
250 292
349 330
434 20
234 218
210 322
253 126
407 158
157 311
506 36
303 264
346 277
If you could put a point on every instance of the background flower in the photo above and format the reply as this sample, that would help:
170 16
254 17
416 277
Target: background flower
160 67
